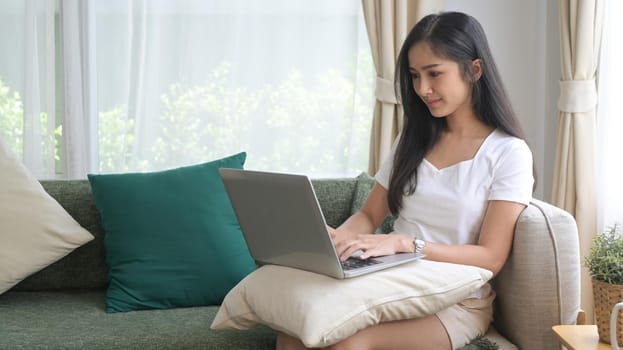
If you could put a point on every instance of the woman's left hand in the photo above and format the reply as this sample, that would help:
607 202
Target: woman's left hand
377 245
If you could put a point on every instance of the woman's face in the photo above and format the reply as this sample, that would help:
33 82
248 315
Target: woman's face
439 82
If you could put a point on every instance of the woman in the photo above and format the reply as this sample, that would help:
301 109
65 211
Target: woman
458 178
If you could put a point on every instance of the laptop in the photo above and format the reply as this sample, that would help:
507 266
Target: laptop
283 224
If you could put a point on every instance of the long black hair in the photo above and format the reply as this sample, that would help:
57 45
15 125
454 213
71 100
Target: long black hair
458 37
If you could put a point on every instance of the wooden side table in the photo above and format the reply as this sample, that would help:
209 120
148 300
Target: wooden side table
580 337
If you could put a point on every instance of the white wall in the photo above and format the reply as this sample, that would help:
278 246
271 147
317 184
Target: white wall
524 39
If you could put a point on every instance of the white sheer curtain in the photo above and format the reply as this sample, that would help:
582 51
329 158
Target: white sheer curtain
610 120
77 54
27 40
146 85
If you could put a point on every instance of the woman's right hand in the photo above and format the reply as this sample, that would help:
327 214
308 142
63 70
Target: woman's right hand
341 238
347 237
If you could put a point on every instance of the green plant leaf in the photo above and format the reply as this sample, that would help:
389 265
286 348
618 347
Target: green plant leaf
605 259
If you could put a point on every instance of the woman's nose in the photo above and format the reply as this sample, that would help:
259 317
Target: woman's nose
422 87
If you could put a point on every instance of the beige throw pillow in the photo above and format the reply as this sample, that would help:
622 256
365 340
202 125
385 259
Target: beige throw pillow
321 310
35 230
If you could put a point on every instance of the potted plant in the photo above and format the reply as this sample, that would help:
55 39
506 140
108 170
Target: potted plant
605 263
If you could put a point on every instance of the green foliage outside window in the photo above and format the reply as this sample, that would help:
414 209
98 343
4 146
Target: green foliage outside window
116 141
206 121
210 120
11 118
12 125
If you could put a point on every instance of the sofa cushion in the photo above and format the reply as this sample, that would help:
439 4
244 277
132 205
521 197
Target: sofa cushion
35 230
77 320
365 183
85 267
321 310
172 238
334 197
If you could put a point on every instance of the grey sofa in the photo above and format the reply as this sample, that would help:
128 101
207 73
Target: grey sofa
62 306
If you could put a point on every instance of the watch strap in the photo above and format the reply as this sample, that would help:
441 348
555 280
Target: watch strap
418 244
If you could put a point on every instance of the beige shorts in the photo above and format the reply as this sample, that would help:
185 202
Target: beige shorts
467 320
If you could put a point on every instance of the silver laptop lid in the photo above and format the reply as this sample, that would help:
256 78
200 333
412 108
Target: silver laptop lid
281 220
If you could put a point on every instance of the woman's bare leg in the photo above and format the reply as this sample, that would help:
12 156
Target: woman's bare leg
423 333
287 342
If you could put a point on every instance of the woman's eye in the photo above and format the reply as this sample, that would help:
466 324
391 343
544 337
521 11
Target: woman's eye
414 76
435 74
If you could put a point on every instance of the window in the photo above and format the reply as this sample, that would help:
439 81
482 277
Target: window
27 103
150 85
609 120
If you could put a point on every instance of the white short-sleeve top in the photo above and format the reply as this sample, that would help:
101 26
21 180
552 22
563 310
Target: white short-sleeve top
449 204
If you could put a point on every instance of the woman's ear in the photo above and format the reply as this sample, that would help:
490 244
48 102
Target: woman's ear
477 69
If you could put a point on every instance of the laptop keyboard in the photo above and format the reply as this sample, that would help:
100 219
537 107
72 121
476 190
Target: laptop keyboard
355 263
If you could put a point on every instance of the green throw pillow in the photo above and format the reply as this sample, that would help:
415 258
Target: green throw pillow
172 237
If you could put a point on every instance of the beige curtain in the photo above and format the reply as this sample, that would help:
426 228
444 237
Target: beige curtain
388 22
574 174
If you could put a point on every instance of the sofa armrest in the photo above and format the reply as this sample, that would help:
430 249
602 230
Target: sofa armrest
539 286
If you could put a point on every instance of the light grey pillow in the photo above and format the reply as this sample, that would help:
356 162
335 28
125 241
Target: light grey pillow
321 310
35 230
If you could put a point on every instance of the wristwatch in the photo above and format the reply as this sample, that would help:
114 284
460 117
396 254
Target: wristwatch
418 244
